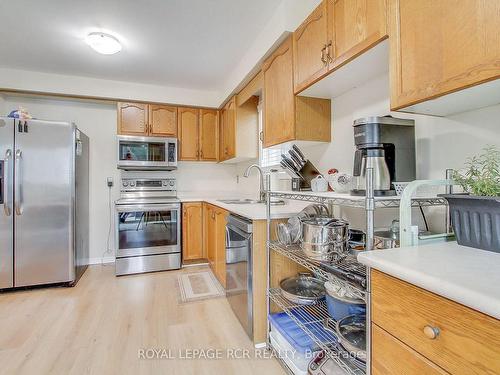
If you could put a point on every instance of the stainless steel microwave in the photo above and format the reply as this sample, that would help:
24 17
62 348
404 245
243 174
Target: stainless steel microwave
147 153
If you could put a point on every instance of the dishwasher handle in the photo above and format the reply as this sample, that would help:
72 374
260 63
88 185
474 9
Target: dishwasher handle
244 234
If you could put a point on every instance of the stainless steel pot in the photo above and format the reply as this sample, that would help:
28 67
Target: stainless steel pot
328 252
324 230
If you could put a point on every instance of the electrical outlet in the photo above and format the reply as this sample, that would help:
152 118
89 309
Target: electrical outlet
109 181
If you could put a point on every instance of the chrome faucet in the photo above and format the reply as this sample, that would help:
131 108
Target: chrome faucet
262 195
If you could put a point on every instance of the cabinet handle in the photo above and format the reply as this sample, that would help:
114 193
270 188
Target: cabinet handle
201 153
323 51
431 332
328 50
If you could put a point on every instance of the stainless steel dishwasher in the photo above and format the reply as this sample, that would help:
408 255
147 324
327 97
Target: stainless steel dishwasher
239 270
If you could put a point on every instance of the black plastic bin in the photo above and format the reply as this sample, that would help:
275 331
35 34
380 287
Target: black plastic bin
475 220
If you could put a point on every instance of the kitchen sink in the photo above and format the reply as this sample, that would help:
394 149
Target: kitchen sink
239 201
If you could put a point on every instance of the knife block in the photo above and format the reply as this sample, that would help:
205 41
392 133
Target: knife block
308 172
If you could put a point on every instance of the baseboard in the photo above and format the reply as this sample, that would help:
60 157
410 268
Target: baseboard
101 260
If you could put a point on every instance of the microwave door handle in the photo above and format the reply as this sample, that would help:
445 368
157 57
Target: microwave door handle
18 203
6 183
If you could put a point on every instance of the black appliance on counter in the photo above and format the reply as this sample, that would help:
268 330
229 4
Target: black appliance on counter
386 144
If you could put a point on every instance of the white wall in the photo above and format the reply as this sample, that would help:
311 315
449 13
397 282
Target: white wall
30 81
98 121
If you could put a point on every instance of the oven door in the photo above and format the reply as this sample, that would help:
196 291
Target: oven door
147 153
148 229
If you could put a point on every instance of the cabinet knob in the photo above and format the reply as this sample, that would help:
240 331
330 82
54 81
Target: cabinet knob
431 332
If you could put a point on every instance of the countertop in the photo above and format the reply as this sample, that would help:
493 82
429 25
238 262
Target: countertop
256 211
462 274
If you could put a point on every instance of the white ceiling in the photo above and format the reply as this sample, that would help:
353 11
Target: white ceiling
179 43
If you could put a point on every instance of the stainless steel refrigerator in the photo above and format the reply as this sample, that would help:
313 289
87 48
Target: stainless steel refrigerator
44 198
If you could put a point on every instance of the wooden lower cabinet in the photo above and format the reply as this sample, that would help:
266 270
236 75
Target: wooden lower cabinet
453 338
391 357
192 231
215 240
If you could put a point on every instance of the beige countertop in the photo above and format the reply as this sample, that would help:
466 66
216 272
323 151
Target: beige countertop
255 211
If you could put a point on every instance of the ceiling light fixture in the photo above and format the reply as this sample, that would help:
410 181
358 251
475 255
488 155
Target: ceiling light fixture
103 43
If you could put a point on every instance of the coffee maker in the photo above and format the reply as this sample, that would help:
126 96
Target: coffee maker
386 144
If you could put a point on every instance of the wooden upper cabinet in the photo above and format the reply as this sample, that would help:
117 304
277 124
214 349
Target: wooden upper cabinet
188 133
310 58
228 131
441 46
153 120
192 231
288 117
209 130
163 120
279 102
132 119
355 26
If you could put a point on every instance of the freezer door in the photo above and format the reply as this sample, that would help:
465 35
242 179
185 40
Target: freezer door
43 203
6 203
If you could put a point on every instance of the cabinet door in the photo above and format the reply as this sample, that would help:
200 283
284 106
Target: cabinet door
310 60
355 26
209 218
220 245
209 130
192 231
441 46
279 101
228 129
222 122
188 133
163 120
132 119
391 357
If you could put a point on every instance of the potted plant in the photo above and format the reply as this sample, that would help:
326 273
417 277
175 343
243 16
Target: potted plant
475 214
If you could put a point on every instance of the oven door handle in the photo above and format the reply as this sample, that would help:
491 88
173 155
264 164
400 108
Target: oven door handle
146 207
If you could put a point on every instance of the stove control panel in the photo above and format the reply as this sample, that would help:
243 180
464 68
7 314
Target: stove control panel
148 184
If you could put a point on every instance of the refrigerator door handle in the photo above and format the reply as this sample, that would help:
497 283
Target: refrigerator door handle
18 188
6 183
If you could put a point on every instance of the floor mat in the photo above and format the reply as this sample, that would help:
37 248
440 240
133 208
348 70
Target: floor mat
197 286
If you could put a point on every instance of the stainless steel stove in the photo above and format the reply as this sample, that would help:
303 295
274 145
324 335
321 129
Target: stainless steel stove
148 226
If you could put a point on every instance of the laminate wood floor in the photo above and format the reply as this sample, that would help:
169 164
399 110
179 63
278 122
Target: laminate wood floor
101 325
